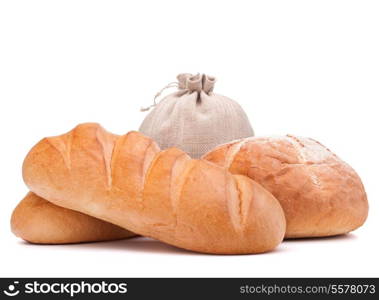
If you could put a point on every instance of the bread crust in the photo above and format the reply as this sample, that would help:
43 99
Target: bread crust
38 221
321 195
128 181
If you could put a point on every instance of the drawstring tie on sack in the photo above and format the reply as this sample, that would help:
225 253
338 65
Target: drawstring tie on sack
186 82
168 86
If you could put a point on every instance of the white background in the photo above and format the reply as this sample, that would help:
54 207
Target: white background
307 68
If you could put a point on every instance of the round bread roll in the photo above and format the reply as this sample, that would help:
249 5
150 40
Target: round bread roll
321 195
38 221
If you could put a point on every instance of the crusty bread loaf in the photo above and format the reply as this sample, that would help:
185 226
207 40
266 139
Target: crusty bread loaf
38 221
166 195
320 194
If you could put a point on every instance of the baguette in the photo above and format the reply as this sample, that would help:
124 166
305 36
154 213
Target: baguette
320 194
38 221
166 195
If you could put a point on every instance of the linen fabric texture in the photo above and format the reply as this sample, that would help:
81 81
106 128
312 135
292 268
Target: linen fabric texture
195 119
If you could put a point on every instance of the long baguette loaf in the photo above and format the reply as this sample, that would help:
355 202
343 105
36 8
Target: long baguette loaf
320 194
38 221
128 181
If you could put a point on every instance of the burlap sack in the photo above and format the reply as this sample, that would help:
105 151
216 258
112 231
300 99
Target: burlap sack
194 118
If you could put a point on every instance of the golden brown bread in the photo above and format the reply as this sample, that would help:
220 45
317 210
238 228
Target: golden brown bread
166 195
38 221
320 194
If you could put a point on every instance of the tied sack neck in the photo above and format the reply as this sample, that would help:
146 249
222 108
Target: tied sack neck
187 83
196 83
